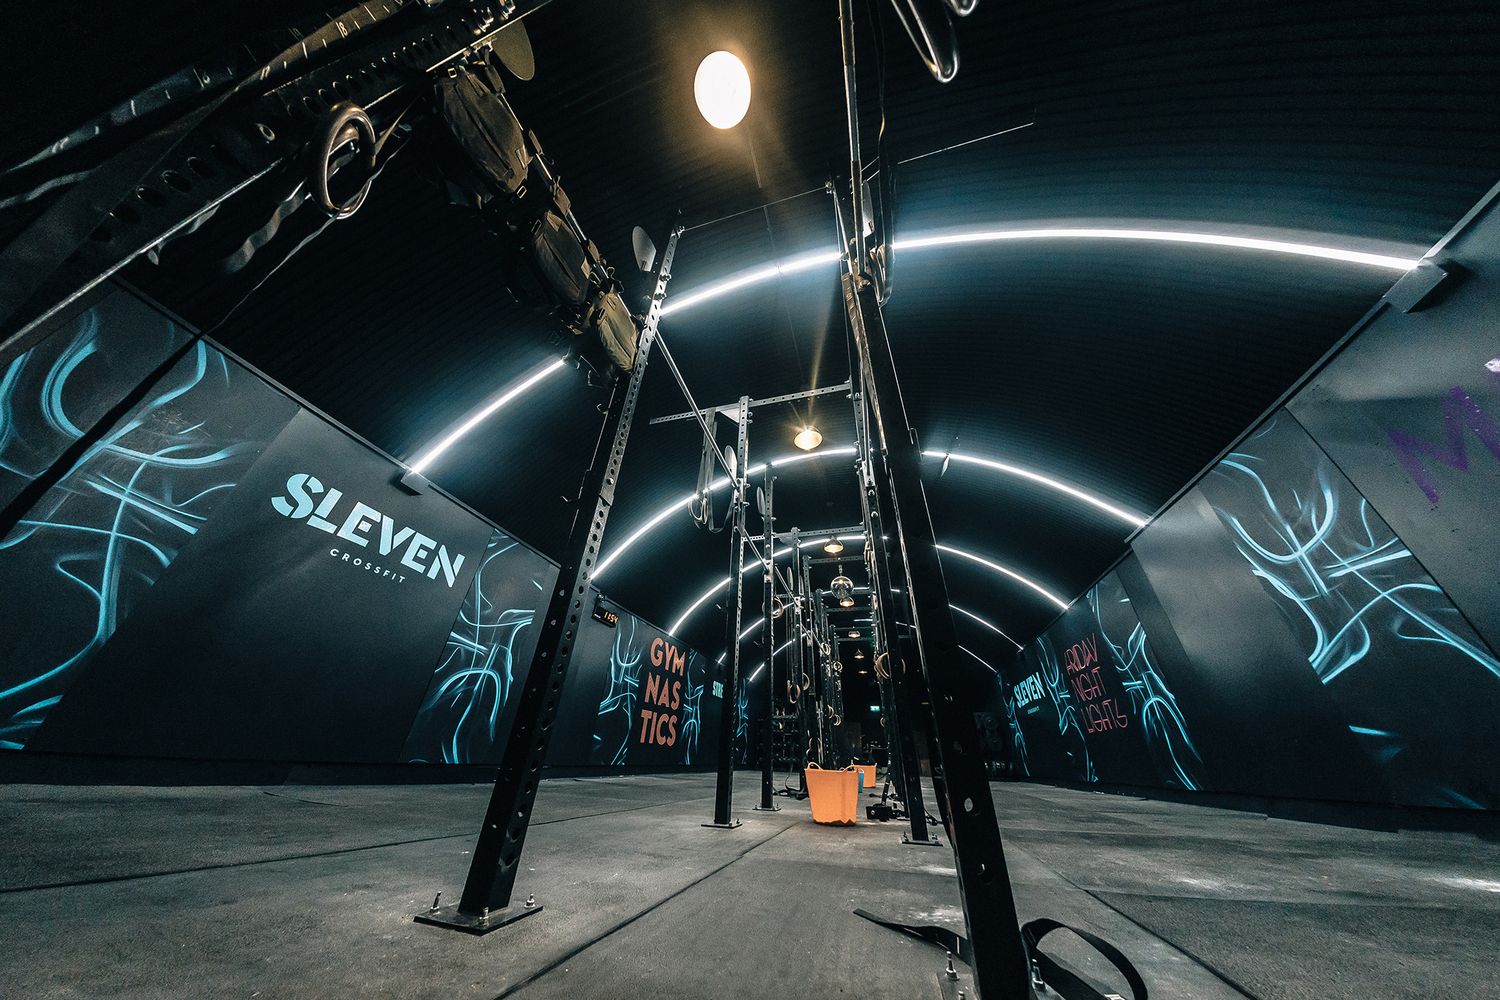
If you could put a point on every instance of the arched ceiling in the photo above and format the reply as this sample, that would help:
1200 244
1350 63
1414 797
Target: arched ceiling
1119 367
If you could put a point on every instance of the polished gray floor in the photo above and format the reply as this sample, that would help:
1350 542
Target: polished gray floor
303 891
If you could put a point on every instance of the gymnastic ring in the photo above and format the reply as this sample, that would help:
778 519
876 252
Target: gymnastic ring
345 122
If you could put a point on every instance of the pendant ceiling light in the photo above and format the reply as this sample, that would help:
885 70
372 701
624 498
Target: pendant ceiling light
859 654
854 633
808 438
843 591
833 546
722 89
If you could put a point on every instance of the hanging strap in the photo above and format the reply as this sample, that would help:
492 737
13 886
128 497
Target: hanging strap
1045 969
946 939
702 505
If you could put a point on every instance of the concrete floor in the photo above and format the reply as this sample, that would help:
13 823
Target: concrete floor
303 891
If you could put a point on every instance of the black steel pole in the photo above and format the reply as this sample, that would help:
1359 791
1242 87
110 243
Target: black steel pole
497 854
768 633
999 955
880 561
733 612
800 656
833 698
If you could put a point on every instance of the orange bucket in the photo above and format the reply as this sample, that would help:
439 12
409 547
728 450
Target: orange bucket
867 779
833 795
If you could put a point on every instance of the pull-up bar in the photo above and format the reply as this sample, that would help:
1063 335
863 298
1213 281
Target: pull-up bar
855 529
731 407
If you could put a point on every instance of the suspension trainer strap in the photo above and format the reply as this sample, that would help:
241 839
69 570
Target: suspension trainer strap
1065 983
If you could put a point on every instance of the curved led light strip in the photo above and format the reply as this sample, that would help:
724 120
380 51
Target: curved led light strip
435 451
715 486
796 265
746 634
774 653
676 627
979 658
1114 510
986 623
955 607
752 567
1130 518
1380 260
1020 578
807 262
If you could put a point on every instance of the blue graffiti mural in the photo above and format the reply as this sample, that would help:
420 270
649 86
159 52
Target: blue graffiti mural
97 541
627 658
619 737
1113 718
462 718
1164 727
1376 629
58 390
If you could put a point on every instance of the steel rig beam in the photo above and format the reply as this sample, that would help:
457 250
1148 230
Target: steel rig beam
485 904
881 563
730 708
998 953
768 640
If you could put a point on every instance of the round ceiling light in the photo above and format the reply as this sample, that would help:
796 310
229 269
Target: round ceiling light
833 546
722 89
807 439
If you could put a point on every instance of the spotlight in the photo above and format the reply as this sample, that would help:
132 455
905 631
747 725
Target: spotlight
807 439
722 89
833 546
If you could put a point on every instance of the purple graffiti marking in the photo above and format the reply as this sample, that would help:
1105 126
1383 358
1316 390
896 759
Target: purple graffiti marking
1460 413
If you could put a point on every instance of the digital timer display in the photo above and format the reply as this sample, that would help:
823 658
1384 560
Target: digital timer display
610 618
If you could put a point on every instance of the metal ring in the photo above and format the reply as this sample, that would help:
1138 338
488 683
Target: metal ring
345 122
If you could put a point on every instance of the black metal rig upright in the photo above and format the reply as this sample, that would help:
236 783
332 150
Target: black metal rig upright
881 562
733 611
998 954
485 904
768 642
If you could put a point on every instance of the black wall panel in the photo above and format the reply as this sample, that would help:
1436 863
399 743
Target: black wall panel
637 697
58 390
1410 412
88 555
226 574
280 637
1090 701
1402 665
1247 684
1325 600
466 715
